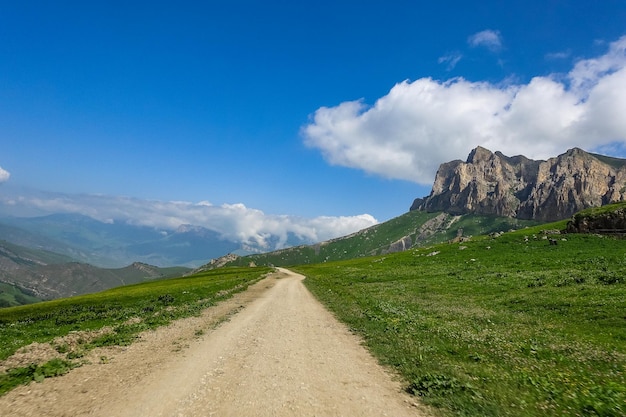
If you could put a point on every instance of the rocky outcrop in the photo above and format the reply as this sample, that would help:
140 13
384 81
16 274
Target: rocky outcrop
608 220
495 184
215 263
429 228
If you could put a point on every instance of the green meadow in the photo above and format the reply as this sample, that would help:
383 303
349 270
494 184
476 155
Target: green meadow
128 310
503 325
496 326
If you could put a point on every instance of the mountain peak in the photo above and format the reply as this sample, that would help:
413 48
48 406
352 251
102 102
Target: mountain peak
520 187
576 152
479 154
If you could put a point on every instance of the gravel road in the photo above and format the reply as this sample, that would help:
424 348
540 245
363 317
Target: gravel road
272 350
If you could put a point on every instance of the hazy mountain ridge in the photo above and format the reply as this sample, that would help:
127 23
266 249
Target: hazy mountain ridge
63 255
46 275
494 184
116 244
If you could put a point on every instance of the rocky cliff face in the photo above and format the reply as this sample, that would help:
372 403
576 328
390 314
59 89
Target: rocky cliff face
492 183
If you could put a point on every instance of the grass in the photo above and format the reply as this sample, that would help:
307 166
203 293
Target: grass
10 296
507 326
21 376
601 210
376 240
127 310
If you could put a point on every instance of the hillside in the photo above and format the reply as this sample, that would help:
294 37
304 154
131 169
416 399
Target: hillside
609 219
32 274
412 229
489 192
12 295
507 325
494 184
16 263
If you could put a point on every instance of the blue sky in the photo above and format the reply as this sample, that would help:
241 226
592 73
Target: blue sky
307 110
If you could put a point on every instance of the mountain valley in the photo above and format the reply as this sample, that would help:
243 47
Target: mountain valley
67 254
438 297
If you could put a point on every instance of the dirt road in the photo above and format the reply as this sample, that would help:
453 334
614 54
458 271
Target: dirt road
280 354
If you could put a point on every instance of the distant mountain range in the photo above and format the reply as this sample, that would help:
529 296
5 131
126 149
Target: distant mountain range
117 244
28 275
494 184
52 256
62 255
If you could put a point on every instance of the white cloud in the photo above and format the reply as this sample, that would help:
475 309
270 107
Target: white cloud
450 59
491 39
4 175
589 72
407 133
233 221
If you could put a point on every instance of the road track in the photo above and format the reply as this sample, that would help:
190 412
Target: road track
279 353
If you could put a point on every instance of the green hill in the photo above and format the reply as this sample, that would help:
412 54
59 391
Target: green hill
529 323
11 295
524 323
608 219
412 229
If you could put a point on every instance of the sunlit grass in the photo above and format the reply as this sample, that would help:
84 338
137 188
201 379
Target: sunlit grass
505 326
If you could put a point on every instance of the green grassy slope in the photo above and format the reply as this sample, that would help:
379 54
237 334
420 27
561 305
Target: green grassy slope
29 256
10 296
418 228
511 326
75 278
593 212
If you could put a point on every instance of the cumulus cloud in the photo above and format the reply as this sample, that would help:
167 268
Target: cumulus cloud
233 221
407 133
4 175
490 39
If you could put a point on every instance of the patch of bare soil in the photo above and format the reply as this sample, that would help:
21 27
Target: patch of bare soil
39 353
272 350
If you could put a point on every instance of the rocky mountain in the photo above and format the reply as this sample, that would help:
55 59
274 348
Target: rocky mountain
494 184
